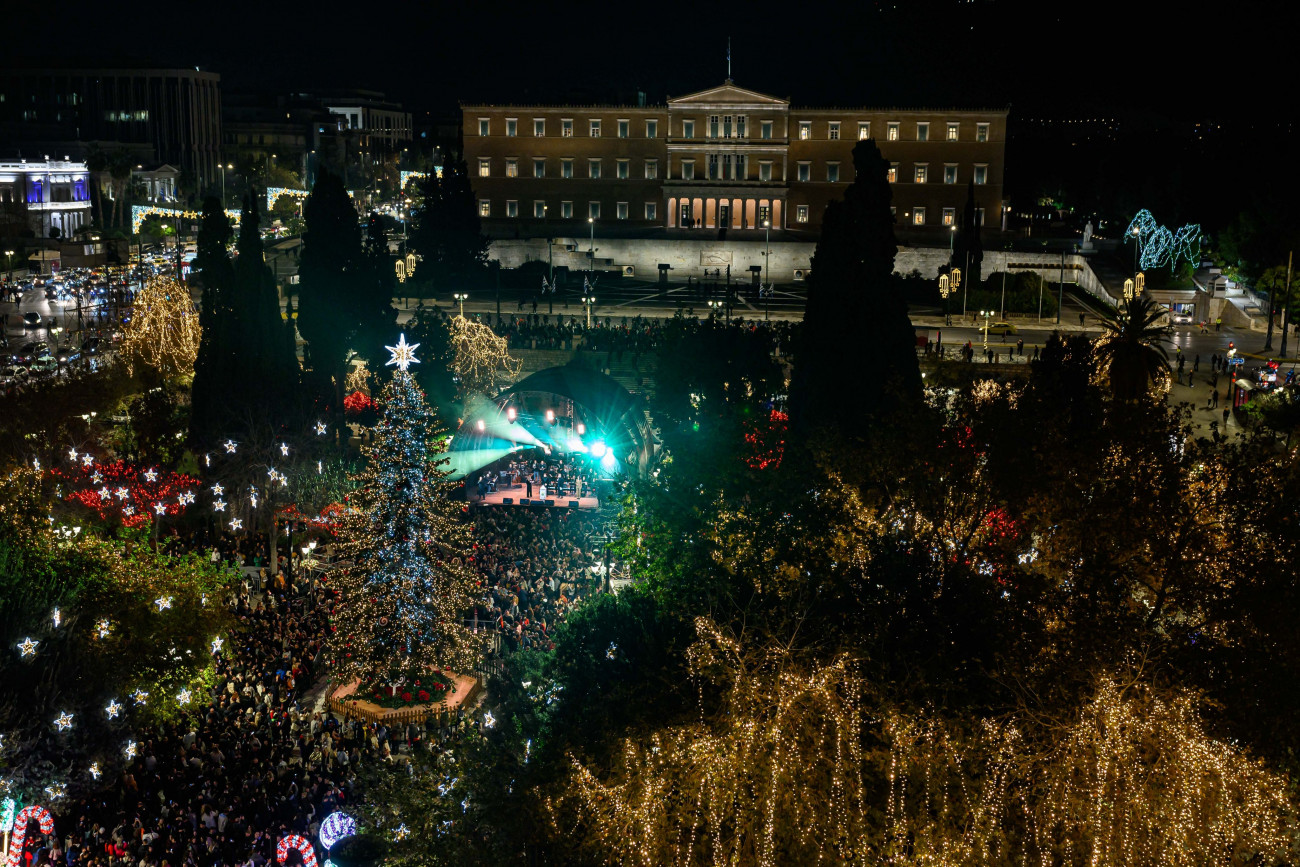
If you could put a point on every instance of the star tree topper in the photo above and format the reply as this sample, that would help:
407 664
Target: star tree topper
403 353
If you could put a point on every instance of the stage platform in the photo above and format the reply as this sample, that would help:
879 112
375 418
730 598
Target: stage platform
516 497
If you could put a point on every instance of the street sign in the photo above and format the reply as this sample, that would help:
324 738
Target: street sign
1237 360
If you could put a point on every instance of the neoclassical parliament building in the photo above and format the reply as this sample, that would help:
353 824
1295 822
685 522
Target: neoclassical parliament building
721 158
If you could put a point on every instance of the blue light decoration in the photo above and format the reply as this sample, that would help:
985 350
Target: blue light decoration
336 826
1158 246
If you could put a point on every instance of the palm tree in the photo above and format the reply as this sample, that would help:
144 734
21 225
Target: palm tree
1130 352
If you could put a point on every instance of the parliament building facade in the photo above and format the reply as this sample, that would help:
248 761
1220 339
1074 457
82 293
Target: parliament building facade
724 158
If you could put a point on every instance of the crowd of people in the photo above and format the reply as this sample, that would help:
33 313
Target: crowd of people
537 565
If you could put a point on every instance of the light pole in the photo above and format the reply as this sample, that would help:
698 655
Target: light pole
223 181
954 281
952 234
588 300
714 306
461 297
9 265
591 249
986 314
945 289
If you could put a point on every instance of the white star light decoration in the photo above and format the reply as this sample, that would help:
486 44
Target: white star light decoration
320 430
72 455
58 618
105 492
403 353
121 493
488 720
128 511
129 750
218 490
160 508
151 475
56 791
113 709
187 498
219 506
63 721
183 696
101 629
402 832
96 477
139 696
28 647
231 445
284 449
236 524
94 770
216 644
163 602
87 460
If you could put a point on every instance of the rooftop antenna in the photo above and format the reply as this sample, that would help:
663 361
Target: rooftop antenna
728 59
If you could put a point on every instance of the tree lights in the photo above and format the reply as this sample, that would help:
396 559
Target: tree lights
163 334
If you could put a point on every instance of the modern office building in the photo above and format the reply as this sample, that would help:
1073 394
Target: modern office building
160 116
723 158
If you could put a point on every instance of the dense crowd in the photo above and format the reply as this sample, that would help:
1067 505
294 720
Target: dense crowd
617 336
536 565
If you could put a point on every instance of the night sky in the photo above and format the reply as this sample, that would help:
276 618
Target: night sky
1041 57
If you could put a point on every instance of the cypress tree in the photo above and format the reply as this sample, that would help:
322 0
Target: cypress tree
215 366
968 252
262 356
376 282
447 232
856 331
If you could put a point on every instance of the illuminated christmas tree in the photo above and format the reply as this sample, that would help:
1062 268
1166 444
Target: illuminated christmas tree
402 604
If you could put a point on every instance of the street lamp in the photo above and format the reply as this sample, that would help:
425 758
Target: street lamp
714 306
954 277
767 267
952 234
588 300
945 289
223 181
9 265
987 314
461 297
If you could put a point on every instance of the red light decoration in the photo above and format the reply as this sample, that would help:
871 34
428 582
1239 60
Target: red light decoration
294 841
357 403
140 494
25 815
767 439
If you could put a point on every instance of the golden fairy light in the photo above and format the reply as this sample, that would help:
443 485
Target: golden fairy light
163 333
477 355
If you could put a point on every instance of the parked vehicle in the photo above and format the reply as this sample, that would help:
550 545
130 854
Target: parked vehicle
29 351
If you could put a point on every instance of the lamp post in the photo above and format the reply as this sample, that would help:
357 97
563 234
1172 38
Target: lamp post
952 234
954 280
588 300
223 181
987 314
1134 287
9 265
461 298
591 249
714 306
945 289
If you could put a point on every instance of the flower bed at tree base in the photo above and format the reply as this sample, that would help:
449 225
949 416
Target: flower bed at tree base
427 688
345 701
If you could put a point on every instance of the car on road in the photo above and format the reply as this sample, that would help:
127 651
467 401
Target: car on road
1181 318
31 319
43 366
1003 328
14 373
90 346
29 351
69 354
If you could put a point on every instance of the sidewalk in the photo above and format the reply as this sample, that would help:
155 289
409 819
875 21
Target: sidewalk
1198 397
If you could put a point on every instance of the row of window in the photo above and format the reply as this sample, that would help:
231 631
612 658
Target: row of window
916 217
729 126
725 167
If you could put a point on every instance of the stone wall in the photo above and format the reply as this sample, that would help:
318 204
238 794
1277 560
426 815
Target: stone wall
692 257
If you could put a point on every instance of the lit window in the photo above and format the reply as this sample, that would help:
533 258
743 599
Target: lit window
566 168
621 169
483 126
539 209
484 208
651 212
512 209
623 126
566 210
864 130
512 168
950 174
834 132
922 173
801 214
688 129
892 174
539 168
949 216
595 129
804 172
832 173
620 210
765 171
923 132
512 127
566 127
485 168
954 131
765 129
918 216
981 132
805 130
651 169
981 174
593 210
688 170
593 168
893 131
652 129
539 127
